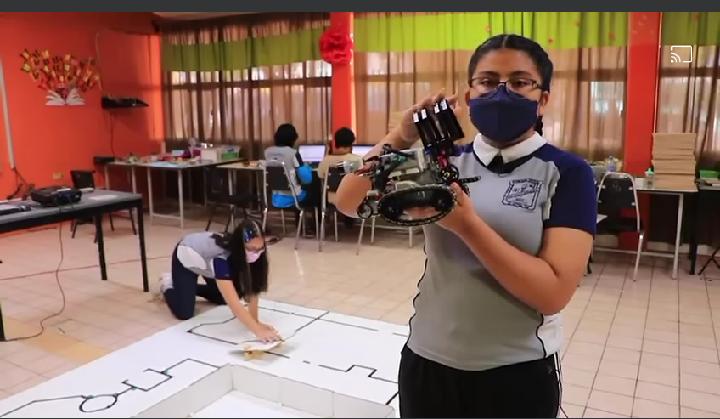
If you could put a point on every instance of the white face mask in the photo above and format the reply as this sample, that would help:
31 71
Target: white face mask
253 255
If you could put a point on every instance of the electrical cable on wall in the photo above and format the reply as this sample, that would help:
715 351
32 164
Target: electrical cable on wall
20 183
6 118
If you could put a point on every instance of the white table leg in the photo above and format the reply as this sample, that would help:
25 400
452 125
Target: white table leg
133 178
151 203
678 235
181 199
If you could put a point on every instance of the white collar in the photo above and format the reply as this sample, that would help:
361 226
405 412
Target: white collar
485 152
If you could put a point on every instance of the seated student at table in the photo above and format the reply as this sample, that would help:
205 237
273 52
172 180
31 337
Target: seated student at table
300 174
284 151
342 151
284 146
234 267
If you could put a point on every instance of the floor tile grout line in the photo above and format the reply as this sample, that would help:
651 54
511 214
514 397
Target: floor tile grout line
602 354
712 321
642 338
610 413
677 284
715 337
585 307
641 398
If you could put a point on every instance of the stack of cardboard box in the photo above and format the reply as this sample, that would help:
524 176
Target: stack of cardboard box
674 160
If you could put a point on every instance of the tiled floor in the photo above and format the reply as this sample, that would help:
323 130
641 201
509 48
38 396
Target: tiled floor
642 349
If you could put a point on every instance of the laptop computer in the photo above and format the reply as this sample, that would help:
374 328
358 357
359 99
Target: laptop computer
312 154
361 149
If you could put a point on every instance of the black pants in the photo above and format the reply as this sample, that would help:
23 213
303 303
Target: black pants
181 297
526 390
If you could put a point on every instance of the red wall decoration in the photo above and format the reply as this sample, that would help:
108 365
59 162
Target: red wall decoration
336 46
63 77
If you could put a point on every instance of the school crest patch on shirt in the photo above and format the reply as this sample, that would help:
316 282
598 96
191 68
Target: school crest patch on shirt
522 193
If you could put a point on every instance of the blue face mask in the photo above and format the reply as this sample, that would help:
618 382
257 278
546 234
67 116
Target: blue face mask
503 116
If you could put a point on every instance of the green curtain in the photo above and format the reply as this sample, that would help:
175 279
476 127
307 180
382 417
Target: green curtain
691 28
297 46
465 31
441 31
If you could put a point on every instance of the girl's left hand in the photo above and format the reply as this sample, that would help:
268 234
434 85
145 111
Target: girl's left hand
462 214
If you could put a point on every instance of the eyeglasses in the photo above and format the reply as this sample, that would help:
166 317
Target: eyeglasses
257 245
519 85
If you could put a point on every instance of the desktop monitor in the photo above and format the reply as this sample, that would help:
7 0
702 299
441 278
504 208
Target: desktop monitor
312 153
361 149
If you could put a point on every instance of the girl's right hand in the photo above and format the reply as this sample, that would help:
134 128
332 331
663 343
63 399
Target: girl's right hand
408 132
266 334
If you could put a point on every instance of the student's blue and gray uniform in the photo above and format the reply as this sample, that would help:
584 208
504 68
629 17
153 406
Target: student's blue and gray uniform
290 158
196 255
305 185
473 345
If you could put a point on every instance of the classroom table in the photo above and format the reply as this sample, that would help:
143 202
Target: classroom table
93 204
178 167
641 186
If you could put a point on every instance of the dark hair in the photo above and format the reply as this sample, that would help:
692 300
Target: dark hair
248 278
286 135
533 49
344 137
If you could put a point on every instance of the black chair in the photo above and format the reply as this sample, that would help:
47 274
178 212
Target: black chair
331 183
85 179
617 195
280 179
219 194
712 259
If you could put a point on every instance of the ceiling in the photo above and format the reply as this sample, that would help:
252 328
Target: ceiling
196 15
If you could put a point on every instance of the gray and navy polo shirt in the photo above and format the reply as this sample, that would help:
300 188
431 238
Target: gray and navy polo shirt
287 155
463 317
199 253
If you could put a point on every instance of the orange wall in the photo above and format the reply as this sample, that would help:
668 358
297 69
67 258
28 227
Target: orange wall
50 139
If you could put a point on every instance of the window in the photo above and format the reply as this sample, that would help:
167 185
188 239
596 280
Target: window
246 105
